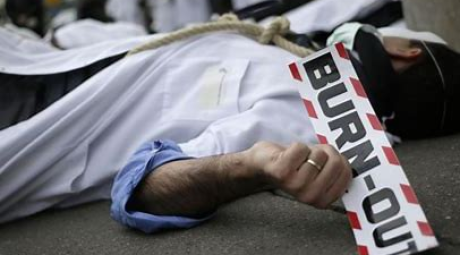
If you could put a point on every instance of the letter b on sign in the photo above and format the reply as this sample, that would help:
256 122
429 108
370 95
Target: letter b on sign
322 71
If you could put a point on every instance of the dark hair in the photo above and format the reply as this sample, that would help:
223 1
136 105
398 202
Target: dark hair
427 99
31 9
93 9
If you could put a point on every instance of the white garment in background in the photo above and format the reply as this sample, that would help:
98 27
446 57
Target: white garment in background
87 32
23 40
125 11
168 15
64 17
325 15
240 4
212 94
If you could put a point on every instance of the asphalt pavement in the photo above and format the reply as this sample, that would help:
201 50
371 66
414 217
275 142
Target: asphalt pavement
260 224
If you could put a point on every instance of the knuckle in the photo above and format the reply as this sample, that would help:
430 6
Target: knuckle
301 147
297 145
274 156
286 164
336 163
258 145
329 149
281 176
298 150
264 145
321 154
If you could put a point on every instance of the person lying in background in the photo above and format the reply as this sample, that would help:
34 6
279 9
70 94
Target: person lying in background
326 15
215 124
159 15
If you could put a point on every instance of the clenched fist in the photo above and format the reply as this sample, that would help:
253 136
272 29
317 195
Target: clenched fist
316 175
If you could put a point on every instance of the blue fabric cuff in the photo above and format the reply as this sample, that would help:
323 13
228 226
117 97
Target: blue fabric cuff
149 157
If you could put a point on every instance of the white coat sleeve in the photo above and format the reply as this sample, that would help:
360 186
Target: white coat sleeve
281 120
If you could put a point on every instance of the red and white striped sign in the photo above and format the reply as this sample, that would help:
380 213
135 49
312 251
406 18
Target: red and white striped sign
383 209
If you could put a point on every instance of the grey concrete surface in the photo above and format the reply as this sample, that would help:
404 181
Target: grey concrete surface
260 224
441 17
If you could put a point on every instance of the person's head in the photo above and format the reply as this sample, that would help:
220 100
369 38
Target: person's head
93 9
412 80
426 100
26 13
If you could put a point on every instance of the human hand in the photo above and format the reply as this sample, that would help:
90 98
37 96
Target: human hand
319 182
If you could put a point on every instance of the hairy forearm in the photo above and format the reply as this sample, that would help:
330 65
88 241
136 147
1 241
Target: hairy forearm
199 186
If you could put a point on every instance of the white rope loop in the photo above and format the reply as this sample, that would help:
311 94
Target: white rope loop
279 26
273 33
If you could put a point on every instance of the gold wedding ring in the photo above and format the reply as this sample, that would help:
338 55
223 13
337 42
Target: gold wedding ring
315 165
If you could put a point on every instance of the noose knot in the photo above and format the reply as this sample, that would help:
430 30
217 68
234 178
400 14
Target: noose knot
228 17
279 26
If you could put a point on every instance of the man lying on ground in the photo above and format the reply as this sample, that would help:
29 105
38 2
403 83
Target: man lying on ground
218 117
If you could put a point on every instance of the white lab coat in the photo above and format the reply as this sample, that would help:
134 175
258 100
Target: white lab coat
69 153
125 11
325 15
240 4
13 38
168 15
87 32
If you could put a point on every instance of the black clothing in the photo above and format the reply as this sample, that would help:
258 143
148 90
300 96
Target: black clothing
23 96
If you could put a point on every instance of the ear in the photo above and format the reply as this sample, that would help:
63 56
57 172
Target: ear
404 53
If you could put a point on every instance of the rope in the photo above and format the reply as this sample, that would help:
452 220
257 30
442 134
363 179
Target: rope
229 22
